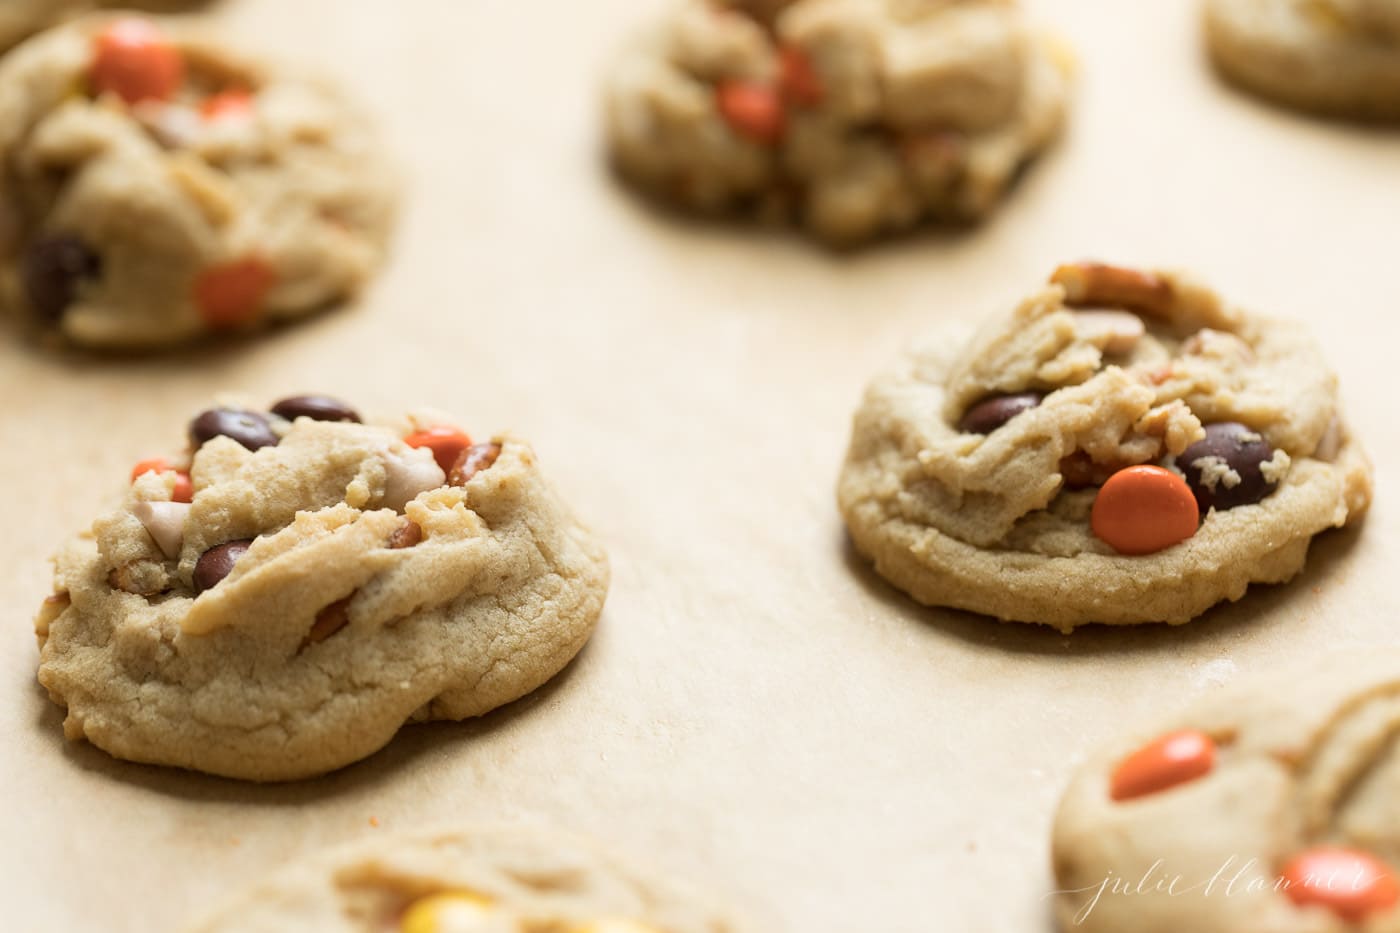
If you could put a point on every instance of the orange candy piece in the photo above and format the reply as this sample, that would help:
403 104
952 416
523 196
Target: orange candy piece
153 465
445 441
133 59
227 105
1175 758
800 81
231 294
753 109
1349 882
1144 509
184 486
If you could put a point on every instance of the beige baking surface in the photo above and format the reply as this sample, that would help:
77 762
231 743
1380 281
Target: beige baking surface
757 711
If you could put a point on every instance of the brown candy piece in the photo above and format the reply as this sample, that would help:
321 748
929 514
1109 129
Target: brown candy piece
329 620
217 562
315 407
248 428
54 268
995 410
1081 472
409 534
1223 469
472 461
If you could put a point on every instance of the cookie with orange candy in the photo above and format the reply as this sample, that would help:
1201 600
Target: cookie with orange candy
491 880
276 600
158 186
853 119
1122 447
1268 805
20 19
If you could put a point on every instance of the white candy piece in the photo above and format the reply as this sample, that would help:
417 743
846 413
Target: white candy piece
1116 332
165 522
408 475
174 126
1331 443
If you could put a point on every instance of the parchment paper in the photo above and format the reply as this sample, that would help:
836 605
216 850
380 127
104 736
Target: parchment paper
757 711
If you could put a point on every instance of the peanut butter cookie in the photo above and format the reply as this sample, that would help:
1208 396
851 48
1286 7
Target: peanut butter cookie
1337 57
20 19
157 187
1269 805
1124 447
488 880
276 602
854 118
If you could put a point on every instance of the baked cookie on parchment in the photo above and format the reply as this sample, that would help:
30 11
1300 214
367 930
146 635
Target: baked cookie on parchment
1123 447
22 18
277 601
156 186
1268 807
468 881
1338 57
853 118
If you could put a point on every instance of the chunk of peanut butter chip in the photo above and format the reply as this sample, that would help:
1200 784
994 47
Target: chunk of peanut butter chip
1094 284
408 475
165 521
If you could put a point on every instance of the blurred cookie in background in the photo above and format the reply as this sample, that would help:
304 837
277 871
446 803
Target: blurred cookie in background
494 880
850 118
1267 805
158 186
1335 57
20 19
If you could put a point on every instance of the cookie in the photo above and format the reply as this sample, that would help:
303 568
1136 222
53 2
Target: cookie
20 19
158 187
852 118
493 880
1269 805
1123 447
276 602
1337 57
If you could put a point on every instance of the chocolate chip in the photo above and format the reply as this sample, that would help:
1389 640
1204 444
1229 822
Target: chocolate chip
473 460
247 427
315 407
54 268
994 411
217 562
1223 469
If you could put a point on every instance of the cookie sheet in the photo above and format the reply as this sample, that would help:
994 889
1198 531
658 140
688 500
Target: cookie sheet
757 712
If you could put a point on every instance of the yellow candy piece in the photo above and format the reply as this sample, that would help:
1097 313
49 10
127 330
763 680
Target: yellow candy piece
614 925
451 912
